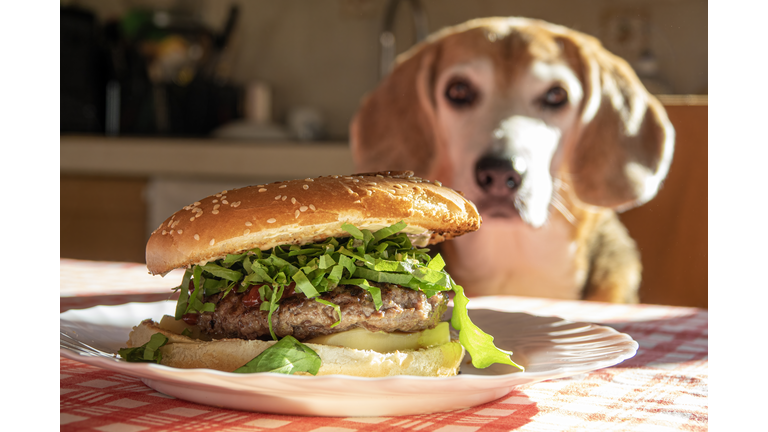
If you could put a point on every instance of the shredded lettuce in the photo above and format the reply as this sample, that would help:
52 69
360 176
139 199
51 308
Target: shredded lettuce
386 256
335 307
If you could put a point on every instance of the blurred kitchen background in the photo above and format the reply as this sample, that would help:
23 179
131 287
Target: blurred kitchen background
165 102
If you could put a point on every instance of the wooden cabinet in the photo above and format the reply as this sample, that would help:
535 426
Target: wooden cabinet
671 229
103 217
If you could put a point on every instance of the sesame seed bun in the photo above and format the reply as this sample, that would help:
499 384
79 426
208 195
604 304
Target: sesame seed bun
306 211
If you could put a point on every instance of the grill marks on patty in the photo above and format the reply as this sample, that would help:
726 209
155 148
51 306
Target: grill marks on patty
402 309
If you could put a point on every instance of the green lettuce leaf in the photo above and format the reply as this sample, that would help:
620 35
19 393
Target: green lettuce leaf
149 352
277 294
233 258
383 277
303 284
287 356
388 231
363 283
335 307
222 272
181 304
214 286
478 344
352 230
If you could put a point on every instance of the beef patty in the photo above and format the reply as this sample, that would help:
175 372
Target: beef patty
402 309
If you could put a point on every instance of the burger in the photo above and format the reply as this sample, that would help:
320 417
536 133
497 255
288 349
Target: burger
319 276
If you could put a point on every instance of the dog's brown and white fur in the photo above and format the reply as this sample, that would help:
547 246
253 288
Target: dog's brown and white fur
542 128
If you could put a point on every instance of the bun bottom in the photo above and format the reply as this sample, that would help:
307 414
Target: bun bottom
229 354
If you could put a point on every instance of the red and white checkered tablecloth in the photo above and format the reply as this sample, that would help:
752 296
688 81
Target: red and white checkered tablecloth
664 387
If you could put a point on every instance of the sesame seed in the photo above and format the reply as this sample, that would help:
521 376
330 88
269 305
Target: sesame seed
170 222
212 242
369 193
305 187
371 183
192 219
216 206
348 178
278 197
165 232
215 201
180 231
303 208
246 232
379 175
197 237
223 192
437 182
215 212
312 207
262 190
174 224
259 185
248 224
197 203
355 180
293 200
283 186
218 195
271 220
285 197
224 202
297 213
235 204
309 179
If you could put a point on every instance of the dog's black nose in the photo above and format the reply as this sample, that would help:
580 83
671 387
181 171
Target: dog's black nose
497 176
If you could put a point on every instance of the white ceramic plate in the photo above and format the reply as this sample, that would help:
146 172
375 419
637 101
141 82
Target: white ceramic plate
547 347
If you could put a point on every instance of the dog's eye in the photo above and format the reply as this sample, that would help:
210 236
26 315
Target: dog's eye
460 93
555 97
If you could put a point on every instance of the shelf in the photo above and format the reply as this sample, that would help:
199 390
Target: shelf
201 158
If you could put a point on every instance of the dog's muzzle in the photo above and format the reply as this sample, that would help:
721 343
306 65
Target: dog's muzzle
499 176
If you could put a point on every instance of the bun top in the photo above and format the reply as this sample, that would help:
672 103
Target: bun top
307 211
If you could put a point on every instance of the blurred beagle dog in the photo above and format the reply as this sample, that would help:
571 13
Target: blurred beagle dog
546 132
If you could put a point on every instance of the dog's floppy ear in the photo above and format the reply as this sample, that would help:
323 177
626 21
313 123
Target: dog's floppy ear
625 146
394 127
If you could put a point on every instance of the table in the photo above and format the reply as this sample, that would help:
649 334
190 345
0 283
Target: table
664 387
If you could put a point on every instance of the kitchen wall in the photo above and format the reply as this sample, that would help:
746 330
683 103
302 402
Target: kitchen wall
324 54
